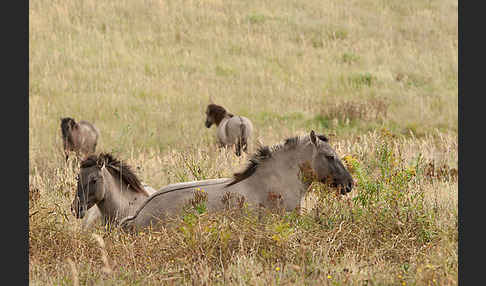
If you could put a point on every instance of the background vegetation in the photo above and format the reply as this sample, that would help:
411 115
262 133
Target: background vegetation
378 77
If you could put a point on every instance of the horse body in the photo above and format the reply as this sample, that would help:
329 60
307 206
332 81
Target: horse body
235 131
271 180
80 137
111 186
232 130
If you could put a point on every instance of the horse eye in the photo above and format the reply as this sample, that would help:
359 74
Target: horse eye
95 179
330 157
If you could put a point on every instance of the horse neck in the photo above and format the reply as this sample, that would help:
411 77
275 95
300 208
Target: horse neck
223 120
120 200
73 138
281 171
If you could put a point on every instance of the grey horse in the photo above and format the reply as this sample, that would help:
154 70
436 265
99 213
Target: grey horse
93 215
276 177
109 184
80 137
232 130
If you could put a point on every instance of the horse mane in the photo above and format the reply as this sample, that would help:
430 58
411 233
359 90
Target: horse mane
218 112
264 153
116 168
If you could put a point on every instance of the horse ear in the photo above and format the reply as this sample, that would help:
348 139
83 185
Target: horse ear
211 100
100 163
313 137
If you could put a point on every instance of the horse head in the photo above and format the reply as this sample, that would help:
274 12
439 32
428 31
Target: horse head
327 165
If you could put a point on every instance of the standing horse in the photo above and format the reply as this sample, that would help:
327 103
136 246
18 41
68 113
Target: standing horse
80 137
232 130
109 184
271 180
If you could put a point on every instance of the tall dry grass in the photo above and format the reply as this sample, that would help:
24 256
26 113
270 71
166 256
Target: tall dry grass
143 72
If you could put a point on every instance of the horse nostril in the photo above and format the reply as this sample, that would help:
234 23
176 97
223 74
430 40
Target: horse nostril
344 191
349 187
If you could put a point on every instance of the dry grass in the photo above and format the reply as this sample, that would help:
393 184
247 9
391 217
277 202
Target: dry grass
371 110
379 75
408 229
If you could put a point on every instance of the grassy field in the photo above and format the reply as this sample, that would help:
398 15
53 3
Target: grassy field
379 77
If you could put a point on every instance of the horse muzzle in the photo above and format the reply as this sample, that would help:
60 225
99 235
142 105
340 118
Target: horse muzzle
208 124
343 188
346 188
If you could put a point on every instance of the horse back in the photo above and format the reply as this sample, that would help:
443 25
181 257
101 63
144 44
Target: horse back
193 184
89 135
89 128
170 200
237 127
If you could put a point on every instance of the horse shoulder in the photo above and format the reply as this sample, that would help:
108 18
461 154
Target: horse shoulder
93 215
222 132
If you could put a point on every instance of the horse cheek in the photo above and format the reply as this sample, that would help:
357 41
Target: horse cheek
100 192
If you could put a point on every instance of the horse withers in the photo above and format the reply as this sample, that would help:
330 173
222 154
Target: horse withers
232 130
80 137
271 180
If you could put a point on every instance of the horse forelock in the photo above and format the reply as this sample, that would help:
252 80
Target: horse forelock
116 168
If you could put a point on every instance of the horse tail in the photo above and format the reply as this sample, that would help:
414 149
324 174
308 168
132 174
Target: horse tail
241 141
244 143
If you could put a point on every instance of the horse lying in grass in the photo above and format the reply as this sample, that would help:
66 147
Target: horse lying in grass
93 215
271 180
112 186
80 137
232 130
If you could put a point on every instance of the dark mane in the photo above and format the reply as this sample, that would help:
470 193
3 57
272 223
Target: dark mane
323 138
218 112
117 169
263 154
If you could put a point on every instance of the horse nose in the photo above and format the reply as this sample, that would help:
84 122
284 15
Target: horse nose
349 187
